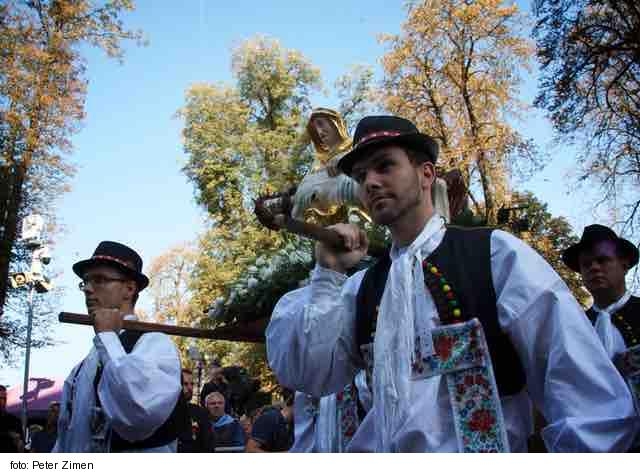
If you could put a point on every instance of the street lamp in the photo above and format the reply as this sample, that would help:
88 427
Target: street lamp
35 281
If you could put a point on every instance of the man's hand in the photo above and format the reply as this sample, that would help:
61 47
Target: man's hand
107 320
341 261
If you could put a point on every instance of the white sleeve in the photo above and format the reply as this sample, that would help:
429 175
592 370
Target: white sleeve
64 415
311 345
569 376
138 390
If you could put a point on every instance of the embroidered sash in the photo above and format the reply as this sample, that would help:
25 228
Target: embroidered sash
461 355
348 422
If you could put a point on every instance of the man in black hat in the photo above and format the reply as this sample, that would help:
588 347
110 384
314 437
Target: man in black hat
125 395
603 259
424 347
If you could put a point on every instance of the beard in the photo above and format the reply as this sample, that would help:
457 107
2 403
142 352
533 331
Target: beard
395 209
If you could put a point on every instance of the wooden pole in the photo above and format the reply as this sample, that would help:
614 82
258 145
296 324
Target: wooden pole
228 333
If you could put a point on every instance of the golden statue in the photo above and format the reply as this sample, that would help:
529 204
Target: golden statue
326 196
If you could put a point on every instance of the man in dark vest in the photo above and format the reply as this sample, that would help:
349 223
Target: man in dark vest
426 320
603 259
125 395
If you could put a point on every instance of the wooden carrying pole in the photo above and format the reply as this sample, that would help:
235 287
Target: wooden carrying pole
223 333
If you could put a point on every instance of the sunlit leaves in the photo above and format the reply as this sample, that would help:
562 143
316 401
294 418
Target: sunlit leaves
454 70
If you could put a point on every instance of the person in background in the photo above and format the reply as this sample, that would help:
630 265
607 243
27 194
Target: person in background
246 422
216 383
603 260
273 430
198 435
11 436
44 440
226 429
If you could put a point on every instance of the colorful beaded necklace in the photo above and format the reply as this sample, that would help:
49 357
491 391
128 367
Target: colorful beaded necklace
443 295
626 328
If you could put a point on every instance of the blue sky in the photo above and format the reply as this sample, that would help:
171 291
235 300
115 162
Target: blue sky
129 186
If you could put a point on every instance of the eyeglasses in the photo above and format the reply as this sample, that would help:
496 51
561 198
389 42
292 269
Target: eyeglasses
97 280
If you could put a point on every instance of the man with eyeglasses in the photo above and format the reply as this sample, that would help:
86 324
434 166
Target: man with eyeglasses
125 395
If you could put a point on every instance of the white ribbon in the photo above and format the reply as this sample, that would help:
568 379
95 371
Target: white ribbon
404 296
604 326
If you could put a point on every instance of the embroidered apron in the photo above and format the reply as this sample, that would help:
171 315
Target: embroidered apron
461 355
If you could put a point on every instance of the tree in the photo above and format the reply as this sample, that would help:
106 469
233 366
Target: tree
242 140
590 86
169 278
42 91
356 93
453 70
549 236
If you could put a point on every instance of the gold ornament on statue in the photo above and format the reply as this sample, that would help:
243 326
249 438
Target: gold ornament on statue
325 196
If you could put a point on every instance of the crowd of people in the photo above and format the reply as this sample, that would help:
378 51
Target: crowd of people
216 426
207 427
450 342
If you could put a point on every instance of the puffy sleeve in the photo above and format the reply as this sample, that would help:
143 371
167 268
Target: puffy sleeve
311 343
570 378
138 390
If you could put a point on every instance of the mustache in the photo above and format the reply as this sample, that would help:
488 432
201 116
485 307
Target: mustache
375 196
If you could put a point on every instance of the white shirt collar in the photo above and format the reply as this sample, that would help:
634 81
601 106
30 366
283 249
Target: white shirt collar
616 305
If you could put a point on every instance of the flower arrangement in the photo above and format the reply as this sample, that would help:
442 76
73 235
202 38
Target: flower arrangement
255 293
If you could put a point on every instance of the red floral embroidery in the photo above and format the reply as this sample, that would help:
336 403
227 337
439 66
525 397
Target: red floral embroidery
481 420
443 347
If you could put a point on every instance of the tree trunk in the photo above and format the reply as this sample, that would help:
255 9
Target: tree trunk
11 181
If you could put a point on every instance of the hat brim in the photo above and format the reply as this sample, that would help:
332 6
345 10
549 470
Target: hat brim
571 256
416 141
81 267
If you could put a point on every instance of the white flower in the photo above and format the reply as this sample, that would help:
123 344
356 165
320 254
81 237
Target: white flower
252 282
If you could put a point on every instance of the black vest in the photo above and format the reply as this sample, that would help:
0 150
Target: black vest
626 320
167 432
464 259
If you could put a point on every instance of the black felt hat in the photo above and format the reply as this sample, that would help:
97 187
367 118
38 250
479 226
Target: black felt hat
595 234
381 130
117 255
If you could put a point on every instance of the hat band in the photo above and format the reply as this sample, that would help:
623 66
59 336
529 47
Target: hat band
377 134
127 264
